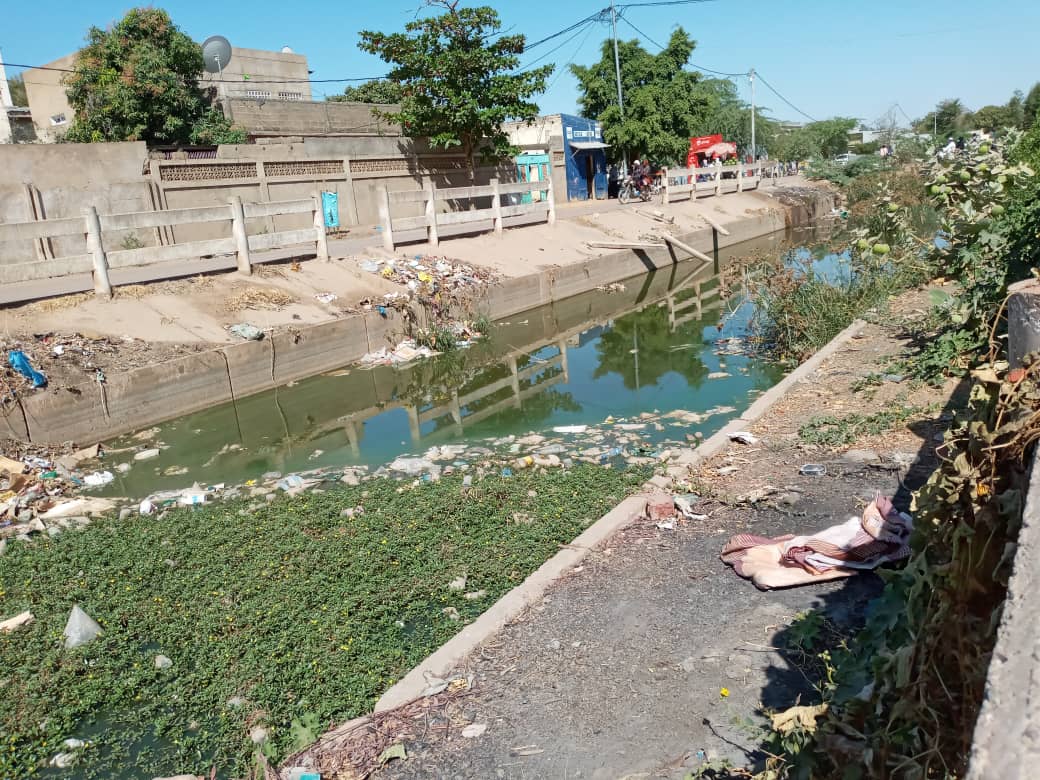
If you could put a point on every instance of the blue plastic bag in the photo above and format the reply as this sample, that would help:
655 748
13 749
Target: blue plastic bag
330 206
20 363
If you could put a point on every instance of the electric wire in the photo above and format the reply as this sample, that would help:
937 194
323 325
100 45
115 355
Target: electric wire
788 102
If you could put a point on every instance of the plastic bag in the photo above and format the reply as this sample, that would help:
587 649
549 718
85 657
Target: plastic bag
80 629
20 362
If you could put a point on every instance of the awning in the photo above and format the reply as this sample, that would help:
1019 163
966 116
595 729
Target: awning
583 145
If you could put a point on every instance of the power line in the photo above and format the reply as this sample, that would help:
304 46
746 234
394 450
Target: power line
563 70
588 24
590 18
693 64
788 102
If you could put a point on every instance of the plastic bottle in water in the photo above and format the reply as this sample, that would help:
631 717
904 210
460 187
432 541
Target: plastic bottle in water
525 462
613 452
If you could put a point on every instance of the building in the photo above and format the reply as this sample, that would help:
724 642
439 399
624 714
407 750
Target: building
250 74
15 123
575 147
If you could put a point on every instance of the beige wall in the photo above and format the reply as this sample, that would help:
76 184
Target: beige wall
263 68
47 99
261 117
540 133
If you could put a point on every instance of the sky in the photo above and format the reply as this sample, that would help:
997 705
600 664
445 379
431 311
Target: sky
826 57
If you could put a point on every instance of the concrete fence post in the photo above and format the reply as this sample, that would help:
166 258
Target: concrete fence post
550 198
238 232
740 177
431 215
718 179
667 185
496 206
321 239
387 219
96 247
1023 321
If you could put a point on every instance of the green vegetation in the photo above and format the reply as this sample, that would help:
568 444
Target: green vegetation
305 613
381 92
139 81
837 431
665 104
459 79
951 118
827 139
19 97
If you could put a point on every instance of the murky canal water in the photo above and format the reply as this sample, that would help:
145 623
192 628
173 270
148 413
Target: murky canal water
652 346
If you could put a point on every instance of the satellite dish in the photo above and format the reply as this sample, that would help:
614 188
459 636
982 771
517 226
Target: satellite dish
216 52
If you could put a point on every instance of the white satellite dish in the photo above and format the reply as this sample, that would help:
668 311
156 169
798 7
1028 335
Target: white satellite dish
216 52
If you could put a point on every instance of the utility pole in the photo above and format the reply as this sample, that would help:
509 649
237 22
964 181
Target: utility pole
754 151
617 73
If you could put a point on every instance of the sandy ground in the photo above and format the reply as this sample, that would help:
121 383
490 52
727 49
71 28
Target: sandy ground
620 671
196 311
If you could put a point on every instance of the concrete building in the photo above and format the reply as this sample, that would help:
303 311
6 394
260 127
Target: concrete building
251 74
575 147
15 123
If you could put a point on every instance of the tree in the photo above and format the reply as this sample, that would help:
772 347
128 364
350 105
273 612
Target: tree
993 118
139 81
831 136
664 103
1031 106
728 114
949 118
459 79
18 95
380 92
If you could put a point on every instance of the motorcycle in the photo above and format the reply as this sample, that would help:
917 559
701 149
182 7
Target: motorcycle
630 190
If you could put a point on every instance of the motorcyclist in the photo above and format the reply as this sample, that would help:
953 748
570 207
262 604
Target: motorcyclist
641 175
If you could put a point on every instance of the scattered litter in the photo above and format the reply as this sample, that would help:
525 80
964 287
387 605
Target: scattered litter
80 629
724 471
813 470
718 375
291 482
614 287
19 361
98 478
392 752
246 331
474 730
194 495
162 662
21 619
526 750
744 437
459 583
147 454
570 429
326 297
146 507
405 352
666 525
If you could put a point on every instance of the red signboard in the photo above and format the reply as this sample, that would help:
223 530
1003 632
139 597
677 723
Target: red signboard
708 147
700 143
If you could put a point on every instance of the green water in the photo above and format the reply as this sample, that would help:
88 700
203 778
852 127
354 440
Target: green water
649 347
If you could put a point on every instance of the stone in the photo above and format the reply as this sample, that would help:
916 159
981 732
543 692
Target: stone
789 499
258 734
73 744
125 513
350 479
475 595
661 507
269 497
63 760
162 662
459 583
451 612
236 701
474 730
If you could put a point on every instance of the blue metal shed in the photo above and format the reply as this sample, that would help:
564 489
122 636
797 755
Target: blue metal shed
586 158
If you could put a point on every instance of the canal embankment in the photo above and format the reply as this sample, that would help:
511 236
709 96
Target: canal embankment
537 265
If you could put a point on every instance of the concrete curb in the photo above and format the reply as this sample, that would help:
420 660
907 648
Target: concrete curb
445 658
442 660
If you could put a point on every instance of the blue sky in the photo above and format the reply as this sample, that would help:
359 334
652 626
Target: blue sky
828 57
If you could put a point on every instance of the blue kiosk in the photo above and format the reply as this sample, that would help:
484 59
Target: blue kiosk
586 158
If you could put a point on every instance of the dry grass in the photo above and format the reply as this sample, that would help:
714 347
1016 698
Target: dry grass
60 303
257 298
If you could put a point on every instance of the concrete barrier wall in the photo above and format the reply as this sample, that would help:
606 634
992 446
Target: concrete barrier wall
152 394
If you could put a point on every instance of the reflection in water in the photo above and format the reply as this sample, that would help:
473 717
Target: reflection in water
576 361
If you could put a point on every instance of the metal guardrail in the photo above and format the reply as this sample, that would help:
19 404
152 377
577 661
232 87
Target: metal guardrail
431 219
99 259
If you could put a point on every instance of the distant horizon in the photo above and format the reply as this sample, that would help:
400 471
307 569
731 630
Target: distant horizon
852 63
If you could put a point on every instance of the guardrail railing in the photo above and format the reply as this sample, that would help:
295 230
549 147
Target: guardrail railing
431 219
99 258
686 183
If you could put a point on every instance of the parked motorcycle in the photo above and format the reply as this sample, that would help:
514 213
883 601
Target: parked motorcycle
630 190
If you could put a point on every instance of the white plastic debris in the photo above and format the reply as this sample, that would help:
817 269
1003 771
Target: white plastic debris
744 437
147 507
98 478
570 429
80 629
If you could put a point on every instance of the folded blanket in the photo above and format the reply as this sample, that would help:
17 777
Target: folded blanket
881 535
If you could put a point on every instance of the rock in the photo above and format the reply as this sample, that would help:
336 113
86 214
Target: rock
459 583
258 734
474 595
63 760
660 507
451 612
789 499
73 744
36 526
147 454
861 456
125 513
474 730
236 701
162 662
350 479
269 497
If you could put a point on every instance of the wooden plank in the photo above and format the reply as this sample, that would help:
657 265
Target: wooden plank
171 218
160 254
278 208
524 186
686 248
463 217
538 207
45 269
45 228
465 193
656 216
284 238
408 196
410 223
623 245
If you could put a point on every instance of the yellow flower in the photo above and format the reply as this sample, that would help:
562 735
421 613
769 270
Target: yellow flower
723 692
982 490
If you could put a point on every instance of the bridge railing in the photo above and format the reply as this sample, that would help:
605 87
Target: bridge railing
689 183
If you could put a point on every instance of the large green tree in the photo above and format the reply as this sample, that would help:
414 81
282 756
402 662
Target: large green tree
950 117
139 81
378 91
1031 106
664 102
728 114
460 79
18 95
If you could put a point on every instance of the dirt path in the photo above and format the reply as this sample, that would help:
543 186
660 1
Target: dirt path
619 671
